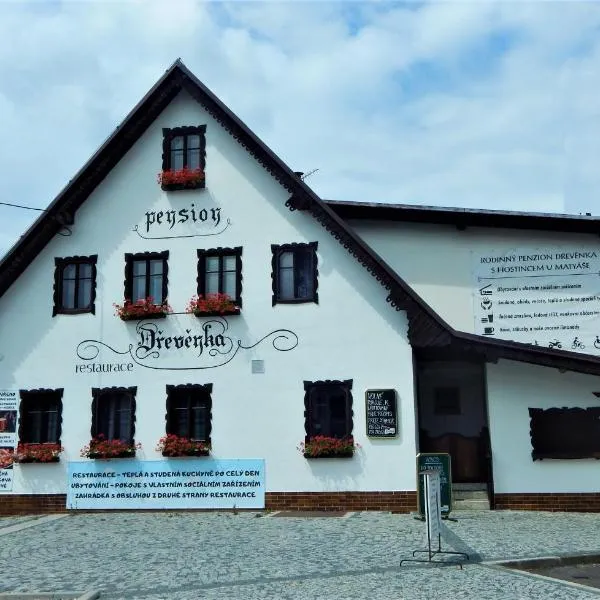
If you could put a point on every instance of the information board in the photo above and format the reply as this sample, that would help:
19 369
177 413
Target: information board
435 462
382 420
174 483
542 296
9 400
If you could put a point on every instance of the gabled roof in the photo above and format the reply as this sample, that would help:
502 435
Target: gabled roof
466 217
426 329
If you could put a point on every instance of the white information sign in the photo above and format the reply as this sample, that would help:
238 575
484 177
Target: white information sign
8 436
173 483
433 513
546 297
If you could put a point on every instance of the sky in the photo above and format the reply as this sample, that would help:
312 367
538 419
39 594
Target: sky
491 105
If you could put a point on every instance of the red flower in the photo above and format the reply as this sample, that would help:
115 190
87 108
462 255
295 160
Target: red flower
173 445
183 176
141 308
212 303
39 453
99 447
322 445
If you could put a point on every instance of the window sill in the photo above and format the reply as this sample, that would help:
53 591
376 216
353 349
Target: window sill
217 313
174 187
99 456
565 455
37 461
348 454
139 317
186 454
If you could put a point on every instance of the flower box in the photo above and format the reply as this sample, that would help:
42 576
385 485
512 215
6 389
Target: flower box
321 446
37 453
141 309
173 446
101 448
212 305
181 179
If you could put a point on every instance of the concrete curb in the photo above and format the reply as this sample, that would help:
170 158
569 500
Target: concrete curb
90 595
546 561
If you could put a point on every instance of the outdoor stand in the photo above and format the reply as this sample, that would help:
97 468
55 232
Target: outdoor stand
434 521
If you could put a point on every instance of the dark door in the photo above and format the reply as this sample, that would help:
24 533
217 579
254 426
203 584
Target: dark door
452 415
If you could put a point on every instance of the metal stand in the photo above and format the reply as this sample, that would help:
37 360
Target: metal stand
431 553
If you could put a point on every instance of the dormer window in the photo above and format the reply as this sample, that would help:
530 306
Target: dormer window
183 161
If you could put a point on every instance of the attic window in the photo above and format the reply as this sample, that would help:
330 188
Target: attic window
74 285
294 273
184 158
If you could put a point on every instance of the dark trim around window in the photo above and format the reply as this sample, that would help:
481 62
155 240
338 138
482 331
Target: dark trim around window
295 249
168 136
60 265
309 387
98 393
205 390
220 253
42 396
147 256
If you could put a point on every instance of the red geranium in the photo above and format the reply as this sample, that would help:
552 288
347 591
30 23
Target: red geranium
322 445
38 453
141 308
100 447
185 177
221 304
174 445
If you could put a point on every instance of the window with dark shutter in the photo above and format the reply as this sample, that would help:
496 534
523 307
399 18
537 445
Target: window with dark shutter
40 416
113 413
184 158
146 276
220 272
294 273
189 411
74 285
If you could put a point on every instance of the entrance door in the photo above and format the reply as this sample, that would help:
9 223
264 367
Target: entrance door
452 415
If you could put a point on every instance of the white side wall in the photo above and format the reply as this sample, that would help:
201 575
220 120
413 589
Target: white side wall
512 389
435 260
352 333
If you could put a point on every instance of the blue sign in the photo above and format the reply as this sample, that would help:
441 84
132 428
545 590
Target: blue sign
166 484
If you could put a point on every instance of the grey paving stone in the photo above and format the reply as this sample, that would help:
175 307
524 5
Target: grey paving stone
223 555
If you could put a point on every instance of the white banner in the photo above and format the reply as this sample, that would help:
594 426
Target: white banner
9 406
174 483
433 514
547 297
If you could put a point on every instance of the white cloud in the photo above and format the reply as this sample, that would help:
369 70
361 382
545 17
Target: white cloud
475 104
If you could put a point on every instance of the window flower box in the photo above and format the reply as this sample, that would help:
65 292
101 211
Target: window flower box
174 446
181 179
99 447
322 446
37 453
142 309
212 305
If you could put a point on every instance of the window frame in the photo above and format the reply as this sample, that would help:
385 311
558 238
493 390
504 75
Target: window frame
205 390
220 253
309 386
147 256
277 250
60 265
44 394
97 394
168 135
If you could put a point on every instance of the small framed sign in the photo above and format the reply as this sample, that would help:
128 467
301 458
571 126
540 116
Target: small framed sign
382 417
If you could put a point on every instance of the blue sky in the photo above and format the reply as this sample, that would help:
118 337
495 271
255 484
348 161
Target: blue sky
474 104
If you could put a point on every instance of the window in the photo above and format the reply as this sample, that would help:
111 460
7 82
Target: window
184 148
328 409
74 285
40 416
189 411
220 272
146 276
294 273
113 413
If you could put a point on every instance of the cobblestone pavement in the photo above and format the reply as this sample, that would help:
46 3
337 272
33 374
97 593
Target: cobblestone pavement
185 556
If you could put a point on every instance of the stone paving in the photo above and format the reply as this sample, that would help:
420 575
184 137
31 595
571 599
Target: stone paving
186 556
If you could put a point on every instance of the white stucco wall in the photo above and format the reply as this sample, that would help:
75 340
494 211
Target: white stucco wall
436 260
350 334
512 389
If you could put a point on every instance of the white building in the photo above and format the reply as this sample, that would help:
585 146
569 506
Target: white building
331 300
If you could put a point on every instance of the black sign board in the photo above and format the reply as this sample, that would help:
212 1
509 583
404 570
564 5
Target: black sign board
382 418
438 462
